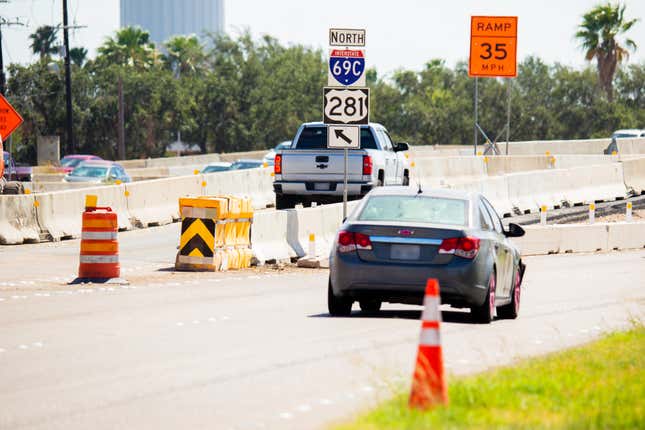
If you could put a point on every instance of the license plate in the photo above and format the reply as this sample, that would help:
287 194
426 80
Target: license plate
405 252
321 186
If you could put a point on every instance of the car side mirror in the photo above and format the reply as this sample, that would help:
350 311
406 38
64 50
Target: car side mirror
514 230
401 146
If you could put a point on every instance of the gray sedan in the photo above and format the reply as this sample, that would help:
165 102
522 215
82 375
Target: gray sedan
398 237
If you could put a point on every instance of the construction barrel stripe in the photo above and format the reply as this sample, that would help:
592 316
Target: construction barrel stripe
98 235
99 253
431 310
99 259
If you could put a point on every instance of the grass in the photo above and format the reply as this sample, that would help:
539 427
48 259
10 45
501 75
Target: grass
600 385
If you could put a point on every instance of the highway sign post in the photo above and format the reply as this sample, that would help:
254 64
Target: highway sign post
346 104
346 68
493 53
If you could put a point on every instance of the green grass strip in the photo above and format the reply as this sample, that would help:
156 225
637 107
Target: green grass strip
600 385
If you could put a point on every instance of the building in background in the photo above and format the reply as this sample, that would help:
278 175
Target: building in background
167 18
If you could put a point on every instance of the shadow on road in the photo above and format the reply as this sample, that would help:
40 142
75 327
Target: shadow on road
450 316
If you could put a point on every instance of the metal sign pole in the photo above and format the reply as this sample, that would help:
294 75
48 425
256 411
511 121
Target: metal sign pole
508 113
345 185
476 112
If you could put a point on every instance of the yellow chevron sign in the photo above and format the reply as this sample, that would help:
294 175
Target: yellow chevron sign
197 237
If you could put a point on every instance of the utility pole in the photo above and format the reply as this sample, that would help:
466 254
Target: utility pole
68 83
5 23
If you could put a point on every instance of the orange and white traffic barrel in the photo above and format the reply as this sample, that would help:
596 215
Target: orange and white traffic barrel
99 257
429 385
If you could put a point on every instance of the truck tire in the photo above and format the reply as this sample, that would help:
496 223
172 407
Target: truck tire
13 188
284 202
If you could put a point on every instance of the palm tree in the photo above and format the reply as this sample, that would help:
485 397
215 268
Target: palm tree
78 56
130 46
598 33
185 55
43 41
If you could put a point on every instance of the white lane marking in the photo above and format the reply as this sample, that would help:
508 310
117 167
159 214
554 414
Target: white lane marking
538 342
350 395
1 299
211 319
286 416
367 389
38 344
226 318
23 346
463 361
2 350
304 408
180 324
583 330
325 402
195 321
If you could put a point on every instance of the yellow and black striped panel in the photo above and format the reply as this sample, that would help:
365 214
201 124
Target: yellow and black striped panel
197 237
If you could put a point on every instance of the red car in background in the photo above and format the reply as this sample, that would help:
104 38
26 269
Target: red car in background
70 162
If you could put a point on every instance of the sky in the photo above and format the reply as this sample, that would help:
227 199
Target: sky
400 34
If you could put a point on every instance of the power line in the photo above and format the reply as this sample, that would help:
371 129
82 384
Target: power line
5 23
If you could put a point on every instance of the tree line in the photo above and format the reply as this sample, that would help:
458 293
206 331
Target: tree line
239 94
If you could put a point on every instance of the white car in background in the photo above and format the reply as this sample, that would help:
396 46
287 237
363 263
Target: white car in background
270 156
631 133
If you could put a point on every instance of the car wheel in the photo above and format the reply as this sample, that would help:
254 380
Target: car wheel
338 306
283 202
370 305
512 310
485 312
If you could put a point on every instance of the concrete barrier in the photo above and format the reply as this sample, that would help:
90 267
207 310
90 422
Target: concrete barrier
60 213
269 237
573 238
45 187
155 202
232 156
47 177
148 172
254 183
626 235
603 182
500 165
634 174
18 220
442 171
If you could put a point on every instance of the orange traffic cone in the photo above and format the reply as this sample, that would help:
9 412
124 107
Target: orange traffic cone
99 256
429 386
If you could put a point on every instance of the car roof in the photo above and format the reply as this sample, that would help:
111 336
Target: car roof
103 163
81 156
219 163
321 124
425 192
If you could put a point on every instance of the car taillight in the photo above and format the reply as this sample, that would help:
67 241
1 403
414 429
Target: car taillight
367 165
466 247
349 242
277 165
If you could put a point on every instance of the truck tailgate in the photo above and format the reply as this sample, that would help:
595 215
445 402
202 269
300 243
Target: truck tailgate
313 165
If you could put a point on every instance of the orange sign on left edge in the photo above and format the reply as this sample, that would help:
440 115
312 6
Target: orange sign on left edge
493 46
9 119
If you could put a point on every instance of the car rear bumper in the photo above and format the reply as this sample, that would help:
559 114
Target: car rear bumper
332 188
462 282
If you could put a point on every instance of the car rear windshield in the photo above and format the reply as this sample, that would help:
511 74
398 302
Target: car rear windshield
316 138
434 210
90 171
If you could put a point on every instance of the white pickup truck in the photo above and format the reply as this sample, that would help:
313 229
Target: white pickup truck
309 172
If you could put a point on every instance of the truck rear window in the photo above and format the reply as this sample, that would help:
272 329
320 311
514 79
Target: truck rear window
316 138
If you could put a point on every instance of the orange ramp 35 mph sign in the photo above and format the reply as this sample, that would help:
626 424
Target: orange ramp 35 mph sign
493 46
9 119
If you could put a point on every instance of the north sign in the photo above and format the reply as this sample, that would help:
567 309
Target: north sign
346 37
9 119
346 67
346 105
493 46
343 137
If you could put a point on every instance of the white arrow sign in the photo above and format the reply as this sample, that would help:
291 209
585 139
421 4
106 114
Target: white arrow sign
343 137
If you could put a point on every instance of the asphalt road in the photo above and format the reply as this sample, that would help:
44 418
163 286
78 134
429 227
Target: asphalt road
253 349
